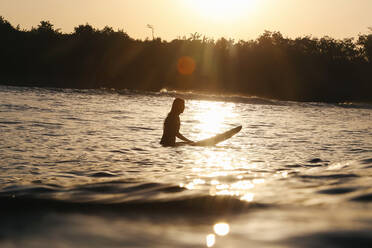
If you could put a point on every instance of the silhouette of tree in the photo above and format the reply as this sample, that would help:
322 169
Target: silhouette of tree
302 69
365 41
84 30
5 26
45 27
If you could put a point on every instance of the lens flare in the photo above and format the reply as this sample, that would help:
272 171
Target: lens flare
186 65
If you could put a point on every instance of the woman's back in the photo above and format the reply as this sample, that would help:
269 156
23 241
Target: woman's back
170 130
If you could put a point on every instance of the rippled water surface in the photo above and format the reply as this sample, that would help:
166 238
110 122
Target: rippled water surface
84 168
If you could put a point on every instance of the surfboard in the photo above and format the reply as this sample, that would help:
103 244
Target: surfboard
215 139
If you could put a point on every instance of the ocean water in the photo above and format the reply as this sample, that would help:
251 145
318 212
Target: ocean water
84 168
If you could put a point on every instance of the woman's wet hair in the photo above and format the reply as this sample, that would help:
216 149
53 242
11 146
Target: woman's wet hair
178 105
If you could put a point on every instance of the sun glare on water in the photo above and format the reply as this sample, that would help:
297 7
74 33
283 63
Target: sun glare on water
213 117
222 10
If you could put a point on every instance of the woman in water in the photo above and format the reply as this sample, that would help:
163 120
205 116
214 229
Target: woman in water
172 124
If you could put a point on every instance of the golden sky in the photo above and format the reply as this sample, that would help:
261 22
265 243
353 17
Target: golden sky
237 19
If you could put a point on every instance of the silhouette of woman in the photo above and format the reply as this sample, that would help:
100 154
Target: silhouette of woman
172 124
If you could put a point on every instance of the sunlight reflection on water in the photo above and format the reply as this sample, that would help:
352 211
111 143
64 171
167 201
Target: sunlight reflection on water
211 117
98 146
220 229
211 240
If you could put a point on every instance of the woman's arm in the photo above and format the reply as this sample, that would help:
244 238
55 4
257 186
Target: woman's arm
180 136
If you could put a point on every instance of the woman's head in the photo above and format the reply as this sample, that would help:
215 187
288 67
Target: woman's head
178 106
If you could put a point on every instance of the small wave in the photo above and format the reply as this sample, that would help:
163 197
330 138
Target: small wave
138 149
337 191
140 128
16 190
123 197
15 107
10 122
220 97
103 174
67 161
310 165
366 161
355 105
363 198
345 238
53 135
48 124
120 151
332 176
195 206
316 160
359 150
313 165
74 119
24 107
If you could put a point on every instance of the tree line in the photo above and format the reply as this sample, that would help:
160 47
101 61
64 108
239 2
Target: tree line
300 69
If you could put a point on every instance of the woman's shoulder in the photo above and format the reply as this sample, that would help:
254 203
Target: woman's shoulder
171 118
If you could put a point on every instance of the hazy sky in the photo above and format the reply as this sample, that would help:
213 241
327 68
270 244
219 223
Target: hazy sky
238 19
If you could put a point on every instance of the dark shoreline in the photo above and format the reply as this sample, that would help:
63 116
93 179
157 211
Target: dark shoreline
304 69
200 95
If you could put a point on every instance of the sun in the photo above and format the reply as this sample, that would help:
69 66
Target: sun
222 10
